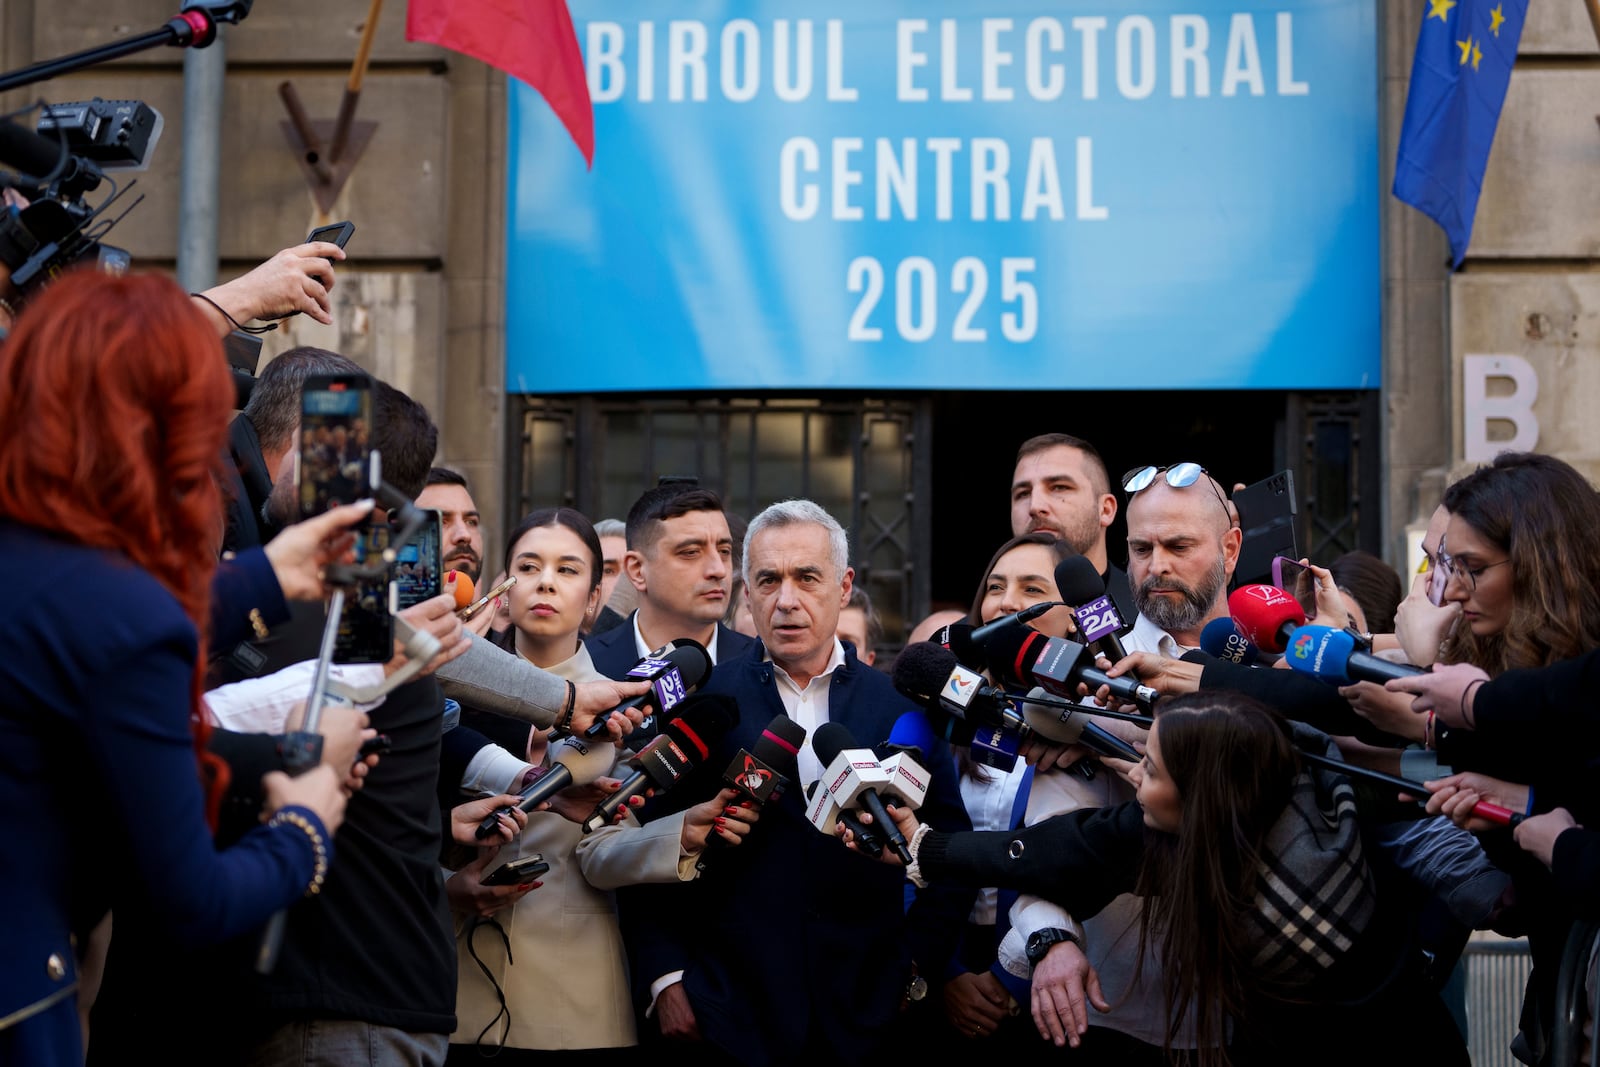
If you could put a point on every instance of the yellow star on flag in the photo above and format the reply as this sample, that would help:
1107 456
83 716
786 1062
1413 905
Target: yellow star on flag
1466 50
1477 55
1439 8
1497 18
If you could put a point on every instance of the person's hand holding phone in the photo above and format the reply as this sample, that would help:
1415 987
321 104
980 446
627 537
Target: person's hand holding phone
1421 625
294 280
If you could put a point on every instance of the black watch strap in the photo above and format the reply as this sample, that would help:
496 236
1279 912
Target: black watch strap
1041 941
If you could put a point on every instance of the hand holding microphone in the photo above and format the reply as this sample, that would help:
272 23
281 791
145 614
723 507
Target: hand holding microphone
574 759
856 780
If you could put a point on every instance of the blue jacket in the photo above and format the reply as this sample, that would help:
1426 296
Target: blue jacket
792 946
100 800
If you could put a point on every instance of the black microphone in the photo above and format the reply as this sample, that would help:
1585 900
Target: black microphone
577 762
1016 619
761 776
851 776
684 743
28 152
1059 666
930 675
674 671
1079 584
957 637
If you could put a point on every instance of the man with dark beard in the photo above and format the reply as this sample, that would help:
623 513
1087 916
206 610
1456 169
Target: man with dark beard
1182 548
1060 486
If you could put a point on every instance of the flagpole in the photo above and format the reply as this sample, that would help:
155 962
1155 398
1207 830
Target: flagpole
352 88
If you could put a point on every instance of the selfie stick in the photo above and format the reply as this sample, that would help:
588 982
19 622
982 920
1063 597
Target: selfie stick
302 749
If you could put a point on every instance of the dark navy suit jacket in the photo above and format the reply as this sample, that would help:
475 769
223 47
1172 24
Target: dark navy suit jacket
614 652
793 947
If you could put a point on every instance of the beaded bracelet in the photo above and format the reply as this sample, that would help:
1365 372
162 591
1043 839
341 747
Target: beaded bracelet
914 872
319 847
565 722
1427 732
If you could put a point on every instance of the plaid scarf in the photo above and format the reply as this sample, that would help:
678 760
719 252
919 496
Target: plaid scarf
1315 894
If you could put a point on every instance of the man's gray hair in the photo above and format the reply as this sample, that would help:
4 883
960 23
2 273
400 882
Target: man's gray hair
611 528
796 513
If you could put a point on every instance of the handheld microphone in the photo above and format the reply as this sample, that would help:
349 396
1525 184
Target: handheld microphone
854 775
1266 615
1224 639
1072 727
1080 584
931 676
1332 655
992 746
763 775
674 670
1059 666
824 812
1495 813
957 638
684 743
577 762
1016 619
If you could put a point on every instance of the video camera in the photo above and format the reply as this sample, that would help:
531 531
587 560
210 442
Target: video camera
69 157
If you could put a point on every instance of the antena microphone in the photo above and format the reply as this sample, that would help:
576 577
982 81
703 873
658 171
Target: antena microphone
683 744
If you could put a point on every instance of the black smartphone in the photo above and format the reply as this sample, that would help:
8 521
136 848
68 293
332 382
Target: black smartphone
416 566
517 871
335 233
1266 517
335 465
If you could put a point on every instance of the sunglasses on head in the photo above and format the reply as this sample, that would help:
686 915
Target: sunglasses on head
1179 476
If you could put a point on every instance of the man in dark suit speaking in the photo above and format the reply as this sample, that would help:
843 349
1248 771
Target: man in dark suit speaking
790 949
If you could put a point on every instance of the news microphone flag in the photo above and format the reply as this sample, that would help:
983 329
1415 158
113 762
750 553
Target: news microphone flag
1459 77
531 40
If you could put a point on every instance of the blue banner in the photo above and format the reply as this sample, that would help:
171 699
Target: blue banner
953 194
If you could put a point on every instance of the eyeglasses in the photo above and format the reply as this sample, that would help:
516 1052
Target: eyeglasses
1179 476
1452 567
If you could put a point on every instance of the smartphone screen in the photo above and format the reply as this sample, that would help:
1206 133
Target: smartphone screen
1438 577
416 567
335 467
1296 580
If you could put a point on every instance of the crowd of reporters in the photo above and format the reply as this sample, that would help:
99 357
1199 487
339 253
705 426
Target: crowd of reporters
1175 851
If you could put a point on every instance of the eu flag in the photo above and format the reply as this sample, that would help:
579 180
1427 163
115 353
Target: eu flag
1458 82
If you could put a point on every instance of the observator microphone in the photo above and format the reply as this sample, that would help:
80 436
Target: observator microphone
853 776
1224 639
1079 584
932 677
1266 614
674 671
577 762
684 743
1332 655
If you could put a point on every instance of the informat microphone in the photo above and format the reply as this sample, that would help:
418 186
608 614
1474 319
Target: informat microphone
1332 655
853 776
1080 585
674 671
577 762
1266 615
684 743
932 677
1224 639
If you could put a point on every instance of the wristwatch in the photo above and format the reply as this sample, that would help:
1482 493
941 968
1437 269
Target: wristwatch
1041 941
916 988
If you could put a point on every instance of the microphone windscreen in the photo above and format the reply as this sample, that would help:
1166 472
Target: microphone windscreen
1077 582
1321 651
779 745
1261 611
1013 651
912 730
700 720
829 740
958 639
920 670
1224 639
461 585
692 660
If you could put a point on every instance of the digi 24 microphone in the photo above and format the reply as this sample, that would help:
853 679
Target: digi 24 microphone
674 670
1079 584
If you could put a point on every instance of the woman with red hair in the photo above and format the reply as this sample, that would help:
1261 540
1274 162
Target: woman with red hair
114 401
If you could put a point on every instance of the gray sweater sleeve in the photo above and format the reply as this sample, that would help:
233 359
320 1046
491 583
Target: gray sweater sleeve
491 679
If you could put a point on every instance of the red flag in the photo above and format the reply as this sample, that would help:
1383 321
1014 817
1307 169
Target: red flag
531 40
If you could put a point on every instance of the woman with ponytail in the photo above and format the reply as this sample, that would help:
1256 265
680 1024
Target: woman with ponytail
114 404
